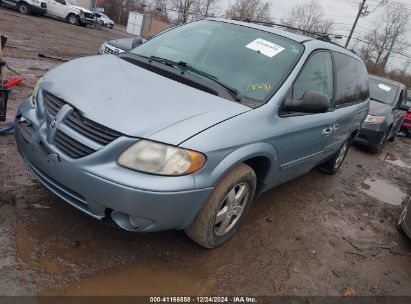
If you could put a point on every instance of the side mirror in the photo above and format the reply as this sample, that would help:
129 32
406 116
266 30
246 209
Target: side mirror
403 107
136 42
312 102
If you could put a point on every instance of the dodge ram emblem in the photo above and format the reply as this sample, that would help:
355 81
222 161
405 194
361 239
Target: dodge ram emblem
53 124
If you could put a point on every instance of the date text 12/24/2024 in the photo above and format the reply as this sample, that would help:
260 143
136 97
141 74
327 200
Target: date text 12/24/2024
203 299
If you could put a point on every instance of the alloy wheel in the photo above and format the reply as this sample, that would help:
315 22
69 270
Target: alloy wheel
231 209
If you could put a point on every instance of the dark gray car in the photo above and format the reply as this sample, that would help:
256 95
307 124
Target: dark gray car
121 45
386 113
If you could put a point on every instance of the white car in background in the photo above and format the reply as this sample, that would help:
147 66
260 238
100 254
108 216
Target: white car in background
104 20
37 7
69 11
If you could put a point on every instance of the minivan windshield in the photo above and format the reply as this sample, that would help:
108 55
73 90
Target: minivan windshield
382 92
251 61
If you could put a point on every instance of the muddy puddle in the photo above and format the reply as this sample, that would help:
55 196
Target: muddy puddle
383 191
135 280
392 158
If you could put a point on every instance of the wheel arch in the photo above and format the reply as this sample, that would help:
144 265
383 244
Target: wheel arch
259 156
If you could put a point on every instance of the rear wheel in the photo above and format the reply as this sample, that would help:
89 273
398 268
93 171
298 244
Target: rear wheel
23 8
225 209
332 165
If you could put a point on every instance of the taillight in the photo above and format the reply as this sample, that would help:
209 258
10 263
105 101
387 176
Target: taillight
408 114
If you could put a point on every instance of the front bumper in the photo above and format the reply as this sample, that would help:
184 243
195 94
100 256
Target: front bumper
371 134
96 185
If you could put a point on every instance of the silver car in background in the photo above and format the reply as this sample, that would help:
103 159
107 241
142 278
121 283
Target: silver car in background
192 125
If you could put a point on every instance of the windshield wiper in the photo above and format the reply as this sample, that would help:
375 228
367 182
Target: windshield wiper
184 67
232 91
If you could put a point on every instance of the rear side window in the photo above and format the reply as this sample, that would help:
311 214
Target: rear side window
317 75
352 81
363 81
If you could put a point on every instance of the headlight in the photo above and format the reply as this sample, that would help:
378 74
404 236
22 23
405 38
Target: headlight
157 158
35 92
102 48
375 119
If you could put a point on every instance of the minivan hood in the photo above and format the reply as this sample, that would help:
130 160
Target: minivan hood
378 108
135 101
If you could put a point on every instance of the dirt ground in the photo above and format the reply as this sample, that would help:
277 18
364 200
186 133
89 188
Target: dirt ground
316 235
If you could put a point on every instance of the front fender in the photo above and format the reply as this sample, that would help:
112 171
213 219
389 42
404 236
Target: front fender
235 158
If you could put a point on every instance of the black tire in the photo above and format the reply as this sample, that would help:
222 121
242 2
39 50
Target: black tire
72 19
402 218
23 8
394 136
377 148
332 165
205 230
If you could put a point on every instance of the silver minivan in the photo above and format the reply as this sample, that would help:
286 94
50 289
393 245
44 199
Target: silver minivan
190 127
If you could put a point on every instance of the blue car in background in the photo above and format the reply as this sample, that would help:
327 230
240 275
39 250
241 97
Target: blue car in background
192 125
387 108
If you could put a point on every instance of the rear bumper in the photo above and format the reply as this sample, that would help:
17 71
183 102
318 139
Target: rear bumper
100 188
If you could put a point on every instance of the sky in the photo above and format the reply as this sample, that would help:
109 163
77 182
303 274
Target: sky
343 12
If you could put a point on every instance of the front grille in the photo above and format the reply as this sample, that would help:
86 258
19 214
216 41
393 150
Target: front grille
70 146
86 127
107 50
89 15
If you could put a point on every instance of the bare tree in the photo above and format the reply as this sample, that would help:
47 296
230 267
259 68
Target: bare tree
308 16
258 10
190 10
387 35
158 10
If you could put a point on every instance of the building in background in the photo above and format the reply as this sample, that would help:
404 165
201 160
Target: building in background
87 4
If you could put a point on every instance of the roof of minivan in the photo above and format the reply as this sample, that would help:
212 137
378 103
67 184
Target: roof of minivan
296 37
387 81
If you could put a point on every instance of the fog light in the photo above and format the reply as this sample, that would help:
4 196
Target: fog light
133 221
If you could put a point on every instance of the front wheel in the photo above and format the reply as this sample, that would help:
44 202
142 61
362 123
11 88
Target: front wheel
23 8
332 165
377 147
73 19
225 209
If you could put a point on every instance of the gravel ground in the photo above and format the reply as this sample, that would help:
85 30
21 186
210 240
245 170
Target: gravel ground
316 235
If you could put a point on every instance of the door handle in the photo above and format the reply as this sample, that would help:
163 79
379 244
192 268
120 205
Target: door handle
327 131
336 126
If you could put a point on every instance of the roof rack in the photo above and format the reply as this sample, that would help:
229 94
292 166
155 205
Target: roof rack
317 35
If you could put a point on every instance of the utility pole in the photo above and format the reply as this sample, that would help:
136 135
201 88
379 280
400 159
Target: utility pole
360 11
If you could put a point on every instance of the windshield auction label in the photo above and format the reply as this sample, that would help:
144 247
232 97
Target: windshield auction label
265 47
384 87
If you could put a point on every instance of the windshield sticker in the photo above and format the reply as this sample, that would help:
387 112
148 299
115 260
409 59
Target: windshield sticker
258 86
384 87
265 47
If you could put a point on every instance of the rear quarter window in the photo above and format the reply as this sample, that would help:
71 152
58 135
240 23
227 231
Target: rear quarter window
351 80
